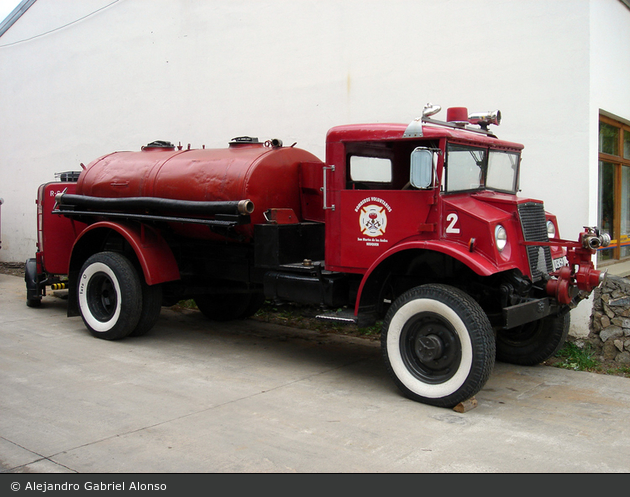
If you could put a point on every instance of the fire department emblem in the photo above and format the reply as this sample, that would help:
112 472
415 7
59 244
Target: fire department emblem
373 220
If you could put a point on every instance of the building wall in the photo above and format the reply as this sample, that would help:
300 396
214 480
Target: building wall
609 76
204 72
610 62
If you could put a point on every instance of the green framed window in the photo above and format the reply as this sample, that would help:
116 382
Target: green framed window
614 188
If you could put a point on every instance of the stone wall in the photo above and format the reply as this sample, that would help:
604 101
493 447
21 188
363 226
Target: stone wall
610 322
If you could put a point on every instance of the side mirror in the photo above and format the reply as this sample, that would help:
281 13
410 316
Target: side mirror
421 173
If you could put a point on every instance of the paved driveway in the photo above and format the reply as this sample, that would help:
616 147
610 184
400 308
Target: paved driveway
195 396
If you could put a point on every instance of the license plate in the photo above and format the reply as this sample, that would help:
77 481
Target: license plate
560 262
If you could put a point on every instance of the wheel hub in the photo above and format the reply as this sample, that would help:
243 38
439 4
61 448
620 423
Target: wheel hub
429 347
102 297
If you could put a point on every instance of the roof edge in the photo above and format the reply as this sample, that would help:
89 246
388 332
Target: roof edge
15 15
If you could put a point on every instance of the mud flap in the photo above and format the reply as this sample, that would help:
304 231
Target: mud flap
33 289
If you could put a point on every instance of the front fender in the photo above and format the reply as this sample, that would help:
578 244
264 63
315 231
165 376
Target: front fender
475 261
154 255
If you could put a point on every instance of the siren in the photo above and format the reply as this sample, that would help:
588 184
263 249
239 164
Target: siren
483 119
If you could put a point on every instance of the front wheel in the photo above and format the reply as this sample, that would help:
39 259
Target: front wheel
438 345
534 342
110 295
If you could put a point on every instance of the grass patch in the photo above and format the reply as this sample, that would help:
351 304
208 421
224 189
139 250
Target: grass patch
302 316
577 358
584 358
185 305
619 371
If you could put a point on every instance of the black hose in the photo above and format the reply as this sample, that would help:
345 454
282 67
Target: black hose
156 204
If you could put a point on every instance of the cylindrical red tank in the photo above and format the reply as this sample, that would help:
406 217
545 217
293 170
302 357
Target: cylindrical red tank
266 175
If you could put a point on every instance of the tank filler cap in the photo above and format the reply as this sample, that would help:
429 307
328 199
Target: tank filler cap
159 144
244 140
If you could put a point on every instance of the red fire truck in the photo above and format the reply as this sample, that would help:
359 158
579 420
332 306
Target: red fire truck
417 225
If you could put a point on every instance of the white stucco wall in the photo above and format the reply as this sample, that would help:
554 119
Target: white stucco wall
610 61
202 72
609 76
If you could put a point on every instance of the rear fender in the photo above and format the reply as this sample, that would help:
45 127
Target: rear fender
153 253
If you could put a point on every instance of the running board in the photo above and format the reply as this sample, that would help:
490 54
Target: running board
343 317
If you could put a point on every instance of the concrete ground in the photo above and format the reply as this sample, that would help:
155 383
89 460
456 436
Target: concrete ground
195 396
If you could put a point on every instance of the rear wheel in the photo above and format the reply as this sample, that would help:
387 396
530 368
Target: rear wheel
151 307
438 345
109 295
534 342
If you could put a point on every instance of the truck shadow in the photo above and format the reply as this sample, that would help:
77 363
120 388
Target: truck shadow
266 345
249 347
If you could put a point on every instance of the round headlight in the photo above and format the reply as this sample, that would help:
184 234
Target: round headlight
551 229
500 237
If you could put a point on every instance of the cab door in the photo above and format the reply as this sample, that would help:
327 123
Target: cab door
378 205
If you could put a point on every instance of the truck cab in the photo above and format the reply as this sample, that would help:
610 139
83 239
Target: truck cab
436 201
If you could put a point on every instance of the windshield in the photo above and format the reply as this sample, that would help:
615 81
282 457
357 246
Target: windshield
473 168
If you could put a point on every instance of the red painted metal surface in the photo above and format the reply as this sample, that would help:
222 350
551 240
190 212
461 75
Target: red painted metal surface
374 221
155 256
475 216
56 234
388 131
408 213
268 176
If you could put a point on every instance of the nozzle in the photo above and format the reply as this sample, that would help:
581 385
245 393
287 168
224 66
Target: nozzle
592 239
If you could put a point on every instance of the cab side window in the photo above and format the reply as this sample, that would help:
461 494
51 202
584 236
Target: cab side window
382 165
374 173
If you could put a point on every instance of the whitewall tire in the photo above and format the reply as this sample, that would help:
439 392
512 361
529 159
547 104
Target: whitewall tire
438 345
109 295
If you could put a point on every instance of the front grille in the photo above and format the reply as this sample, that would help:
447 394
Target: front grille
534 224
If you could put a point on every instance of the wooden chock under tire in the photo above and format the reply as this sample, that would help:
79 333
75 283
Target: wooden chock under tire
466 405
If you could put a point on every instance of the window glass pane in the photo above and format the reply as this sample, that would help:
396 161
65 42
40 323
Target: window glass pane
502 171
464 168
626 144
606 204
608 139
370 169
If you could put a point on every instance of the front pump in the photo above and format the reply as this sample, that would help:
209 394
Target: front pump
580 276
